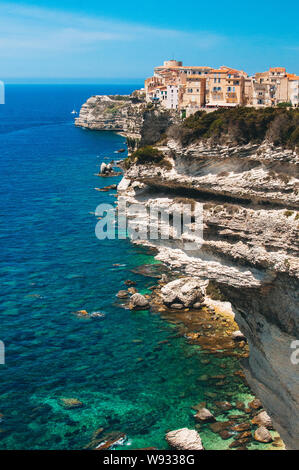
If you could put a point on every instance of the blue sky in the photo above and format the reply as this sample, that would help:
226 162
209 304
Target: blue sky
71 39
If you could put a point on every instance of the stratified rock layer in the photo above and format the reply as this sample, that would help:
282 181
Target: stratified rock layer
249 250
112 114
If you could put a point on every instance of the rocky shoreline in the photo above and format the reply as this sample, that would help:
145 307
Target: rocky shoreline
209 324
249 251
249 195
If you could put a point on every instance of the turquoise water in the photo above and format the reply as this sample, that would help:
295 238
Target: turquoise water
53 265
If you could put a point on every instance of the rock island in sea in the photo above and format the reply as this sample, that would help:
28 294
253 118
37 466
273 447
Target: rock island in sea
242 165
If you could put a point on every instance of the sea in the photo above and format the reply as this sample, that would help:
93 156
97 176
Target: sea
131 371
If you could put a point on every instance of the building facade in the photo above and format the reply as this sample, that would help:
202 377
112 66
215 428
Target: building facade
190 88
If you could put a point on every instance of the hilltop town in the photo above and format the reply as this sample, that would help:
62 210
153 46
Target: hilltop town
190 88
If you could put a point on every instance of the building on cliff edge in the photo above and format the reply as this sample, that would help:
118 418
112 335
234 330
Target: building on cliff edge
190 88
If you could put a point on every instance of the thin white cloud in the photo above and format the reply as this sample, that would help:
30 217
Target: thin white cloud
33 29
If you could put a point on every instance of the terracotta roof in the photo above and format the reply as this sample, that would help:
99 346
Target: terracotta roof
183 67
277 69
292 76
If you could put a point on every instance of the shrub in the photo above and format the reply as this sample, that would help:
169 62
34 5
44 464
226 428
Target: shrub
241 125
288 213
147 155
285 105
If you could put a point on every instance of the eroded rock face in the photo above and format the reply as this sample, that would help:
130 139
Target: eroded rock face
112 114
184 439
186 292
249 251
127 115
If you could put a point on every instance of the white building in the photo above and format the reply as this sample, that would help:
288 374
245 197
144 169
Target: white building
294 91
172 99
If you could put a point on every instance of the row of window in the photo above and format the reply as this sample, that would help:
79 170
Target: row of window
195 72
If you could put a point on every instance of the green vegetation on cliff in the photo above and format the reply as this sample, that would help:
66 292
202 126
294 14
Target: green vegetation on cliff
241 126
147 155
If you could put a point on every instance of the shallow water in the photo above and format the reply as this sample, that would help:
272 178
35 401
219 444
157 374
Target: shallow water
53 265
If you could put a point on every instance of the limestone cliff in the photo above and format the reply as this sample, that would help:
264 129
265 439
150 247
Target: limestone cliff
140 122
242 166
250 249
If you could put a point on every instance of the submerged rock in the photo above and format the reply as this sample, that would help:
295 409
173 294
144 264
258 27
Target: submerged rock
107 188
184 439
240 405
225 434
223 405
71 403
204 415
262 434
241 427
97 315
130 283
221 426
122 294
255 404
110 440
82 313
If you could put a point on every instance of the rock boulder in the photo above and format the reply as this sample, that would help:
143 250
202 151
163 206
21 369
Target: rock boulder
185 291
138 301
204 415
184 439
262 435
263 419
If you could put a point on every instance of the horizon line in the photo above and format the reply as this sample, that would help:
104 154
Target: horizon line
91 81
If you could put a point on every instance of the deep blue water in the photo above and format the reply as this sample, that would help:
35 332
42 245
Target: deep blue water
53 265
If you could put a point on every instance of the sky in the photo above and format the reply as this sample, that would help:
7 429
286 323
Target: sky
95 40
